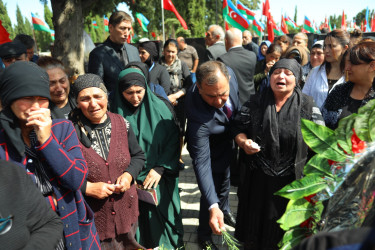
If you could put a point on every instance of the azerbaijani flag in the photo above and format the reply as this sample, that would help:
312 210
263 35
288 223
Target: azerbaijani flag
373 23
142 20
277 30
106 23
245 11
94 24
307 25
258 27
289 21
52 35
233 16
366 24
39 24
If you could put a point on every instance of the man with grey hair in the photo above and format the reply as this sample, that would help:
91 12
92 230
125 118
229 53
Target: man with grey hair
210 106
215 42
241 61
247 42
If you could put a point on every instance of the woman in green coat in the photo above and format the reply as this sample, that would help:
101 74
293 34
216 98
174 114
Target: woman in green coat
157 133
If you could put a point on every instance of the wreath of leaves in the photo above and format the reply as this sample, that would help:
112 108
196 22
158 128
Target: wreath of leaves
333 148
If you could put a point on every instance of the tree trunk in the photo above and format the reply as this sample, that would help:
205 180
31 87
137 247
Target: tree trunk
68 23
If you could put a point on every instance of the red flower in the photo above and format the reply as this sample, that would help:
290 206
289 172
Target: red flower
358 146
307 223
309 198
330 162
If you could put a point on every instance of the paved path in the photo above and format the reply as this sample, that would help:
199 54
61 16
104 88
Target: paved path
190 196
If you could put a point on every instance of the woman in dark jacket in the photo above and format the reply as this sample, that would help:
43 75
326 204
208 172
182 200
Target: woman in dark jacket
268 131
180 82
158 74
47 149
348 97
114 160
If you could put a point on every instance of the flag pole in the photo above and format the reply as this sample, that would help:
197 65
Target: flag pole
36 44
162 17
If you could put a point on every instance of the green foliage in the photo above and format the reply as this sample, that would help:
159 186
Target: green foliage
21 28
293 237
318 173
230 241
364 124
306 186
297 211
322 140
195 22
295 14
318 165
7 24
360 17
344 133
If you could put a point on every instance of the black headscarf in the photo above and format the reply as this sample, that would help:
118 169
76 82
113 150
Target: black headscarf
150 47
23 79
88 81
290 64
20 79
83 125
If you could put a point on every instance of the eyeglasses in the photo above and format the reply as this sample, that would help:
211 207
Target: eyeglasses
6 224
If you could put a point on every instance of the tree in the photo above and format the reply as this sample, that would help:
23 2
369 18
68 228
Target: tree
360 17
295 14
196 13
43 38
21 28
7 24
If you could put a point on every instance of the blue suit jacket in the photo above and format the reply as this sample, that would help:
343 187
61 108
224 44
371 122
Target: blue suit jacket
209 141
104 61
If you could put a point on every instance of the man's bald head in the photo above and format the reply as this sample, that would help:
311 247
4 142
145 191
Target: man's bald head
233 37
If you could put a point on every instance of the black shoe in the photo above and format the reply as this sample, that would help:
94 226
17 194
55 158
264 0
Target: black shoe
207 244
229 219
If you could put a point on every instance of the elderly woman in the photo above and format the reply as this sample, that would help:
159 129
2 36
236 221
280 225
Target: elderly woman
348 97
59 85
180 82
321 80
157 134
47 149
268 130
158 74
114 160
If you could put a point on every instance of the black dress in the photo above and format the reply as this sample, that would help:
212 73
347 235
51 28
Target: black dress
280 161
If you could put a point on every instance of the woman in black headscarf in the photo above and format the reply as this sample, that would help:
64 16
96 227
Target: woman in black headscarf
158 74
47 149
114 160
268 132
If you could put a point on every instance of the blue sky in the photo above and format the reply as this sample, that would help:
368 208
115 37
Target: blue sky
314 9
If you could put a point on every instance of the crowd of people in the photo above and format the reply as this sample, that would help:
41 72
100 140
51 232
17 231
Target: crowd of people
104 151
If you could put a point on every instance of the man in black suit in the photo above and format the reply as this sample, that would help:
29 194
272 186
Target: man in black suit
211 104
241 61
109 58
215 41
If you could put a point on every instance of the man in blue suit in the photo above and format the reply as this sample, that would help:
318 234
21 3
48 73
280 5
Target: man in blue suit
110 58
210 106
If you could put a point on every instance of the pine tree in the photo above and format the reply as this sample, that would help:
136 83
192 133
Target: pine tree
7 24
295 14
20 28
196 14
